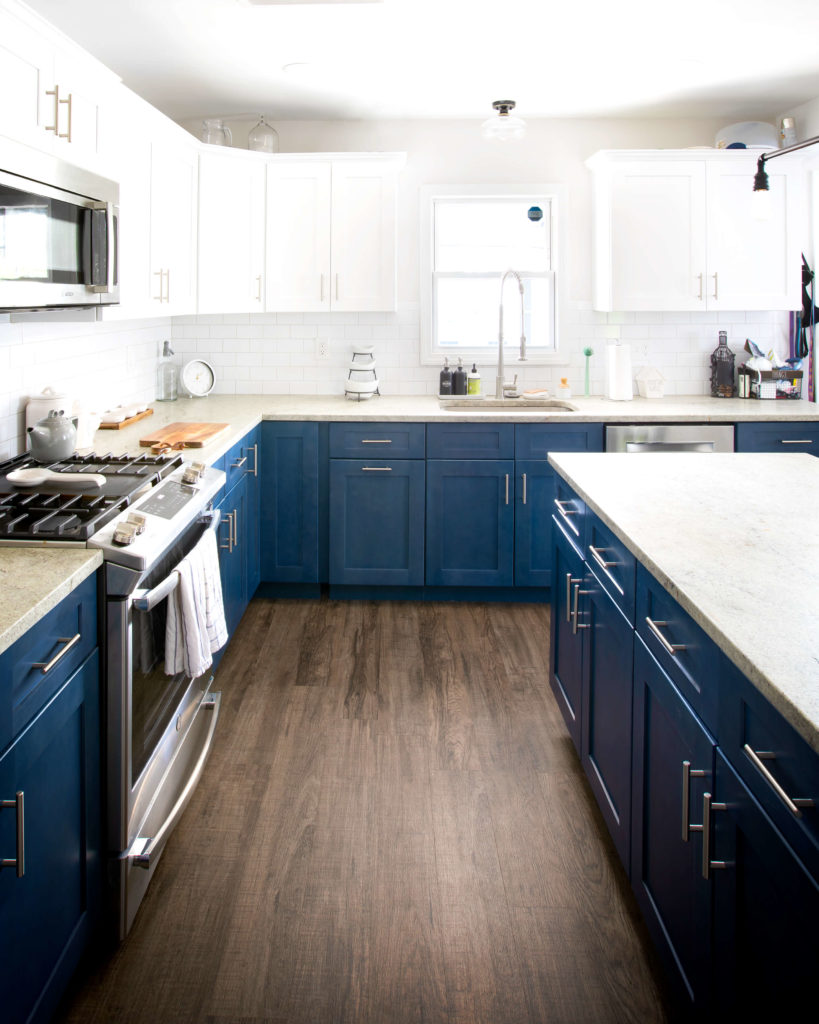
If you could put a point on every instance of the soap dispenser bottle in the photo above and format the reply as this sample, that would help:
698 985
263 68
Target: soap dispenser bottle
473 381
166 376
445 384
459 379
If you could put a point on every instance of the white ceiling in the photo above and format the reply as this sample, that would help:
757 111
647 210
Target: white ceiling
731 59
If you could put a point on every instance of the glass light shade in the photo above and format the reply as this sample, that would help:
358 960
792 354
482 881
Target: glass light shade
503 127
263 138
761 204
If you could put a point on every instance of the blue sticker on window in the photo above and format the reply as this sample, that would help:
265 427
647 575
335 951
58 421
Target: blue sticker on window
535 213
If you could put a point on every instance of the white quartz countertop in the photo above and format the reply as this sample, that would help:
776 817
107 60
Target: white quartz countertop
243 412
33 580
734 539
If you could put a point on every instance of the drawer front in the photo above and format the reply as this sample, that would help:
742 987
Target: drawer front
613 564
686 653
377 440
778 437
570 514
536 440
777 765
35 667
470 440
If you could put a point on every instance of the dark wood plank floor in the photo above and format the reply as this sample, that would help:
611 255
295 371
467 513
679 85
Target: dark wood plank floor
392 828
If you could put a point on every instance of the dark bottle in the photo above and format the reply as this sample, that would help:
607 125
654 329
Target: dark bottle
722 369
459 379
445 386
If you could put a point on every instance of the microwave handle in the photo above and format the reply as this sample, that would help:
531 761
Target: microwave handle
90 238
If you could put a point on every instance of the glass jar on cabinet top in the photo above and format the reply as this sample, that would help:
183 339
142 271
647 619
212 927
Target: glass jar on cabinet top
263 137
215 132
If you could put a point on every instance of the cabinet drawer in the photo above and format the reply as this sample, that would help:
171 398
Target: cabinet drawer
33 668
569 513
377 440
536 440
470 440
683 649
785 771
613 564
778 437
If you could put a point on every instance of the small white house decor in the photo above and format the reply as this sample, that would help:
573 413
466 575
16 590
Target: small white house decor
650 383
361 382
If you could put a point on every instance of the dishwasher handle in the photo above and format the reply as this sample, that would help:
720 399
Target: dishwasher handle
642 447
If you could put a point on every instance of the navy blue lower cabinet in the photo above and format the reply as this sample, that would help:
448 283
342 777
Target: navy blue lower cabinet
778 437
766 906
376 522
251 450
605 746
567 639
534 500
289 527
50 903
470 523
673 764
231 538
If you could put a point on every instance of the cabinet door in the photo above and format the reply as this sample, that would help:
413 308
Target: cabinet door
232 563
766 905
26 69
470 523
290 502
752 263
231 225
77 107
48 915
605 748
650 245
778 437
298 236
173 227
251 450
534 501
672 768
567 640
377 522
363 253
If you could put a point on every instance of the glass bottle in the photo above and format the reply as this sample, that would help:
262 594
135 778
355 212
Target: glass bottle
722 369
166 376
216 132
263 138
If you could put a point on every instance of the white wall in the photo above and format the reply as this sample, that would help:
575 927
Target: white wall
277 353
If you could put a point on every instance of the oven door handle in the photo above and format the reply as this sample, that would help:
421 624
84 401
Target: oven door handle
144 848
146 600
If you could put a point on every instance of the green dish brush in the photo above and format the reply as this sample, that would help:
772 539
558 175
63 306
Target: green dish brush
588 352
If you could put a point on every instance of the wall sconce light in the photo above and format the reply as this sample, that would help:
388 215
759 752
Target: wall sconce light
505 126
762 194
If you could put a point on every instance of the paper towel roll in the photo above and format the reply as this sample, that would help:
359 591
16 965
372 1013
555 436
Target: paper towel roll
618 373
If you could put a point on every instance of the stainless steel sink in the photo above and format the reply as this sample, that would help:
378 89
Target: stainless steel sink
489 402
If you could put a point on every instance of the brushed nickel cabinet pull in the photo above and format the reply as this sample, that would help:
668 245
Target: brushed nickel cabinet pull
792 803
575 613
700 292
604 565
377 440
708 865
234 525
716 285
506 489
805 440
168 285
569 581
258 287
239 463
55 92
19 860
255 449
229 546
566 514
66 135
321 288
688 774
523 478
376 469
667 645
336 286
69 642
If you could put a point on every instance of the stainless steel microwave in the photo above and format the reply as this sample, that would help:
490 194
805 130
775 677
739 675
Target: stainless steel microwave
59 233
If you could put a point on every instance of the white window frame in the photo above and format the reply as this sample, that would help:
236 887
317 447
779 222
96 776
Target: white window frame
431 353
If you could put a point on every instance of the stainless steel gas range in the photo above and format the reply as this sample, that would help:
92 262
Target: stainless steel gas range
149 513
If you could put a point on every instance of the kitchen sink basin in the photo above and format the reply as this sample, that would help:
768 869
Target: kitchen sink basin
490 402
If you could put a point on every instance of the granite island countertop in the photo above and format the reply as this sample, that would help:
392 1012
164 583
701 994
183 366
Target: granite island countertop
243 412
734 539
33 580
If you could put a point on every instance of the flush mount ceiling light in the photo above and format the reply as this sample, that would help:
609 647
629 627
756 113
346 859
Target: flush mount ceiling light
506 125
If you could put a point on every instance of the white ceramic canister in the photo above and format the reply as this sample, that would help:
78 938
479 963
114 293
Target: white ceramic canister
49 399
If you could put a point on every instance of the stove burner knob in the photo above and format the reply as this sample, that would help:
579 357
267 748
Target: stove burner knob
137 520
125 533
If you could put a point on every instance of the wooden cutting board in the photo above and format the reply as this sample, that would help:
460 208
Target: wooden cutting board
192 435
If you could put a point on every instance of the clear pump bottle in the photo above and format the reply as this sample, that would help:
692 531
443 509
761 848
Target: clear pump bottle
166 376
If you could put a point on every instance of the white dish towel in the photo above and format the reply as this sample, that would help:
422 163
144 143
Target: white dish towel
195 625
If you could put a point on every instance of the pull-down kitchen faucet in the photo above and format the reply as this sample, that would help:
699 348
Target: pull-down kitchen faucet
500 384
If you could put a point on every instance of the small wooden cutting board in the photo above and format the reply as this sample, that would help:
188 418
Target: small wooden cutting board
192 435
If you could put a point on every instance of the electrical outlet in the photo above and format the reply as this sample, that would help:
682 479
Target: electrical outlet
639 353
322 350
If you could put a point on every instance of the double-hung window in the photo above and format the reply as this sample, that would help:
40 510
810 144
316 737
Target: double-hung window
470 235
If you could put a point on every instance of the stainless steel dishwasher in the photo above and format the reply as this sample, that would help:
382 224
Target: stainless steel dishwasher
639 438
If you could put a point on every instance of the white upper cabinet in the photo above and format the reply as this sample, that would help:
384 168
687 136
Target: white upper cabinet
174 175
50 91
331 233
673 231
231 232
